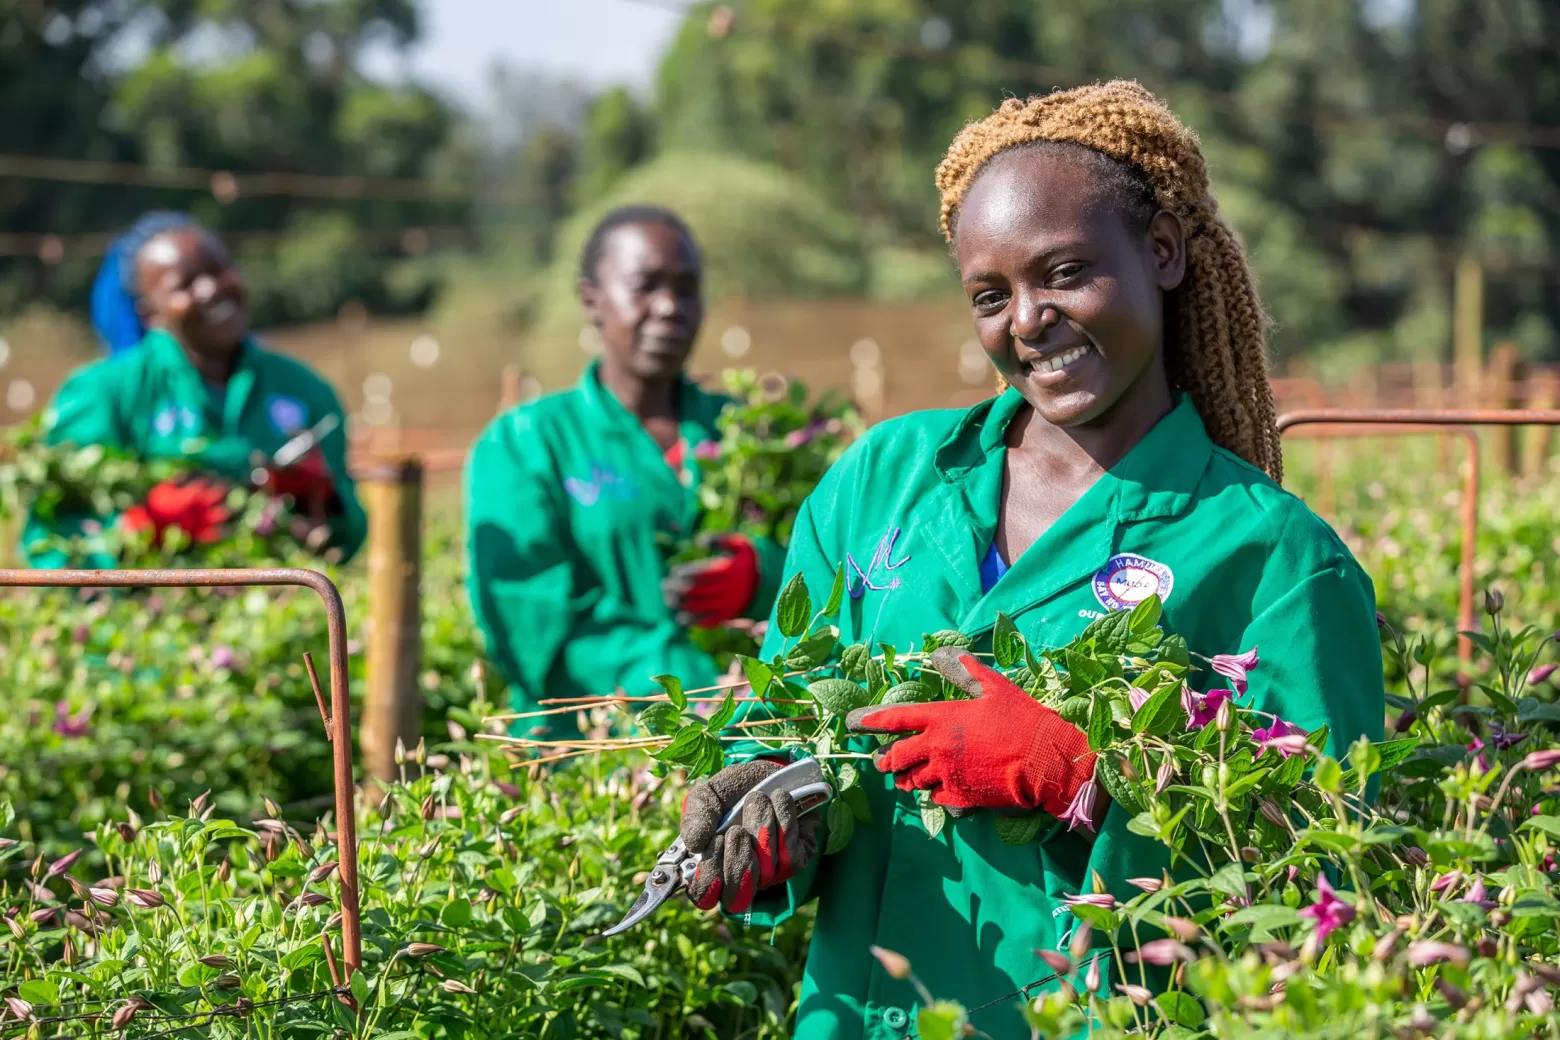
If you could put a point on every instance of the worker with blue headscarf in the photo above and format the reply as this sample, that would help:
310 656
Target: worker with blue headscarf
185 380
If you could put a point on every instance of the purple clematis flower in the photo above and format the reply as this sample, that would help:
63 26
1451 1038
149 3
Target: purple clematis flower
1287 740
1329 912
1504 738
1206 707
1081 812
72 727
707 451
1235 666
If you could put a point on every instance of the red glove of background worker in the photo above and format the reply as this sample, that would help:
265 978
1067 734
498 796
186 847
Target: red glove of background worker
706 593
308 481
197 507
766 846
1001 750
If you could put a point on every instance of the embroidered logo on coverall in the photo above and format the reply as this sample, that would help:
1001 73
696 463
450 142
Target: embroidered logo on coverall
604 482
287 414
858 581
176 418
1127 580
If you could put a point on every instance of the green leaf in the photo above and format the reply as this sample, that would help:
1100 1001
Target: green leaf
1020 830
1101 723
812 652
1162 712
944 1020
1007 646
674 690
1174 650
1075 710
724 714
456 913
623 971
841 825
946 637
853 660
794 609
1263 918
1107 770
839 696
1180 1008
197 974
359 986
1143 823
860 807
1229 879
912 692
682 746
1394 751
758 674
836 594
1550 825
662 718
1145 616
933 817
39 991
1109 634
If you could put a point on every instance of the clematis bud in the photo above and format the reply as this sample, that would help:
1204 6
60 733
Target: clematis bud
154 873
321 872
144 898
452 986
16 928
20 1009
154 799
227 982
104 896
1057 962
43 916
125 1015
1079 946
1272 813
61 865
1182 928
1386 946
126 833
271 808
1494 601
1165 776
224 871
1147 884
423 949
400 752
1415 856
1538 761
1139 995
1162 952
1454 996
429 808
1426 952
1091 978
1541 674
218 961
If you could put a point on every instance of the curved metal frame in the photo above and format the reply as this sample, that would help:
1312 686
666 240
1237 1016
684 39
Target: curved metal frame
1388 422
338 724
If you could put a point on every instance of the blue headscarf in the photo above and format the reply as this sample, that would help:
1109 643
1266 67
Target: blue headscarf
114 314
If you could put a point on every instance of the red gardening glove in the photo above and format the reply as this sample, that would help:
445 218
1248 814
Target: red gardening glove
710 592
1001 750
308 481
769 844
196 507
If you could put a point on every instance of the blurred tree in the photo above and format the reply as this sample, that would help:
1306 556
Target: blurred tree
229 85
618 135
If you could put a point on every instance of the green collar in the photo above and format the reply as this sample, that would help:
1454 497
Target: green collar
1156 478
165 352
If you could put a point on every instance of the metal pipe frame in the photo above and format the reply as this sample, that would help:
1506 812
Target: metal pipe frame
1399 422
338 725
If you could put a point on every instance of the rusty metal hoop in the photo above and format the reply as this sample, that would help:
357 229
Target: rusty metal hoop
1380 422
338 726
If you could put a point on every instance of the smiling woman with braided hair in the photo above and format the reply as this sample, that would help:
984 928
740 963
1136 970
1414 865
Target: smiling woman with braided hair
1131 452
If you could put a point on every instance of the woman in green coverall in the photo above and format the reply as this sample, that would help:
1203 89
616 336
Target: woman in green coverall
197 386
566 496
1132 453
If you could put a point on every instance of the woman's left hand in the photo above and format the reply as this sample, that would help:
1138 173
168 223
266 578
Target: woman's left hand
1000 750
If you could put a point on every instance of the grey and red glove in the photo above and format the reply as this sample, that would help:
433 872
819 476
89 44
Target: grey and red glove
769 843
1000 750
706 593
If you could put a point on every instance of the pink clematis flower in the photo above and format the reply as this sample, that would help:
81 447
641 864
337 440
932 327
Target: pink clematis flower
72 727
1287 740
1477 895
707 451
1081 812
1234 667
1541 674
1329 912
1137 698
1541 760
1207 706
1100 899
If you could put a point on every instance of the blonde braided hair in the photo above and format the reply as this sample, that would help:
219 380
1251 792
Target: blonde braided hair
1217 353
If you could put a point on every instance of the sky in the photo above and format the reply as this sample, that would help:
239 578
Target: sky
598 42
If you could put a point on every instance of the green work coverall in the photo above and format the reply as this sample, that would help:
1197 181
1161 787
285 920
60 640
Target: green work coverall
565 497
152 402
910 511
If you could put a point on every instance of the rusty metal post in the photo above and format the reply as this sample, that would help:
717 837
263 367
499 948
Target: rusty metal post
338 726
1414 420
392 706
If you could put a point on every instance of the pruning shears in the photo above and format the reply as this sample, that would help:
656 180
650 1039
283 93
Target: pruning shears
676 866
305 442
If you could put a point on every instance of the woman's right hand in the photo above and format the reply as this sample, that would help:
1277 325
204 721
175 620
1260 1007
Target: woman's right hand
768 844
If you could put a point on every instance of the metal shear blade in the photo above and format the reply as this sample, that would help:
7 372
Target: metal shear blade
672 872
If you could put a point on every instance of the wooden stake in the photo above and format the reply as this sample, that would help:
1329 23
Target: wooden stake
1468 324
392 708
1545 393
1503 386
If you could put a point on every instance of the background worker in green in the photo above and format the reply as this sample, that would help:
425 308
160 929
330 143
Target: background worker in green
567 496
1133 453
197 386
